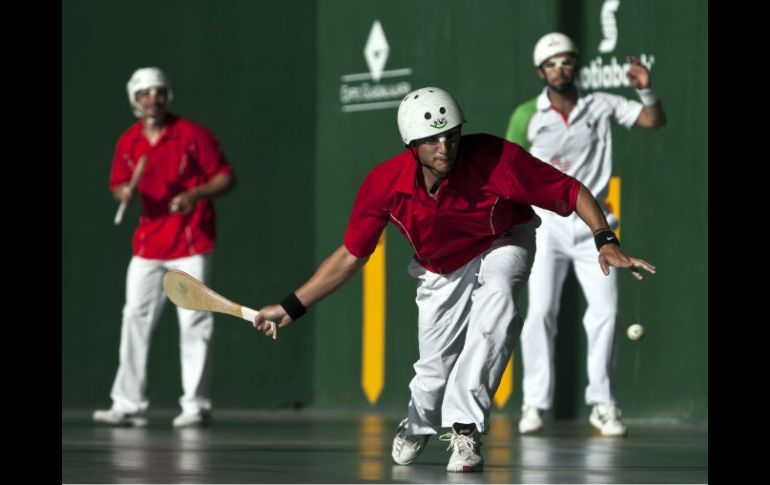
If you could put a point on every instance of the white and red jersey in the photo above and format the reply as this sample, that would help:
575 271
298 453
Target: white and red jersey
581 145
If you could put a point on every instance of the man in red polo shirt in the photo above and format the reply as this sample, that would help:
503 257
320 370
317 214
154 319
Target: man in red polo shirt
185 169
464 205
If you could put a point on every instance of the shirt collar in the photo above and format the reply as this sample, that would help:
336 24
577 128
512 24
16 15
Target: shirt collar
544 103
170 128
407 179
406 182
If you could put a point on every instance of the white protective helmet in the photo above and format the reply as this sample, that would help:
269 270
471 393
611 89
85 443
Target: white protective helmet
427 112
552 44
145 78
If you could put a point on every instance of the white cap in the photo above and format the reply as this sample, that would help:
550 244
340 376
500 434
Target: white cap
145 78
552 44
427 112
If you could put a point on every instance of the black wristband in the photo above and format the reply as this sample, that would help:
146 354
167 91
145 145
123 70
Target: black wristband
605 237
294 308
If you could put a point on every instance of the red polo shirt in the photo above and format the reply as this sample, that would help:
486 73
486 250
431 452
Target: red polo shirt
491 189
186 155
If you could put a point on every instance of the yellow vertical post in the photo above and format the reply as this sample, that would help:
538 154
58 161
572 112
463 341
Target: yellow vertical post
505 389
613 200
373 335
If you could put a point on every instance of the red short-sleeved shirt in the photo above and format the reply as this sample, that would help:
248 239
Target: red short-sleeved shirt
492 187
186 155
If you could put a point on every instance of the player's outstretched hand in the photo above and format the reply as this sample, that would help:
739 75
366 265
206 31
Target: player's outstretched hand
612 255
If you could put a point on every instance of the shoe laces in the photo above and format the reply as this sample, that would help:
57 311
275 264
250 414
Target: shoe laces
463 443
402 438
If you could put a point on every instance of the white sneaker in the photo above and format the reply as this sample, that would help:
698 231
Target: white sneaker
114 417
192 420
466 451
606 419
531 420
406 448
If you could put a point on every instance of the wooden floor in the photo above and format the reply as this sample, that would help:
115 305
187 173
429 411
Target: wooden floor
350 447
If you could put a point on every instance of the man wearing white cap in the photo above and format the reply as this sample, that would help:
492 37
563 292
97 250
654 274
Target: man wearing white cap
464 205
570 129
183 169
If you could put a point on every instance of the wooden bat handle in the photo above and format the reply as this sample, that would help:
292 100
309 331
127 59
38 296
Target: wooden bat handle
131 186
119 214
248 314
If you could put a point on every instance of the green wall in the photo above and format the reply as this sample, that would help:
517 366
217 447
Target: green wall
483 56
274 82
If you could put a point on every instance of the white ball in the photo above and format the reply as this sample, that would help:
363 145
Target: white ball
635 331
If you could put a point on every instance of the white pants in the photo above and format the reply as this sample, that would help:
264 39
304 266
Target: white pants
468 324
561 242
144 302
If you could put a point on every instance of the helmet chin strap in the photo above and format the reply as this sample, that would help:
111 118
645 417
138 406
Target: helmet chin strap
435 187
